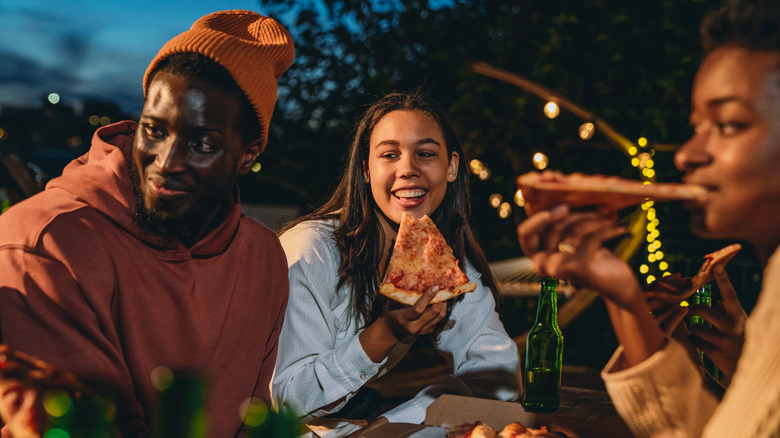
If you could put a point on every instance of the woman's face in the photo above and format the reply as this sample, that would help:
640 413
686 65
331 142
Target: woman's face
408 164
735 149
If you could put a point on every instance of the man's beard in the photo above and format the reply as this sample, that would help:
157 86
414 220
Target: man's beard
172 230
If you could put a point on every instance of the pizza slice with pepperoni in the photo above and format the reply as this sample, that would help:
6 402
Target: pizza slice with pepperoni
421 259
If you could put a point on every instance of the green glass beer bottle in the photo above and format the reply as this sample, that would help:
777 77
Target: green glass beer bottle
544 353
704 296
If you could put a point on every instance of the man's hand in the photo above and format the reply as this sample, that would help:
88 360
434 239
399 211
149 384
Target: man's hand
23 381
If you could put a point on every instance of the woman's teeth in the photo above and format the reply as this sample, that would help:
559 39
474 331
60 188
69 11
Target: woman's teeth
414 193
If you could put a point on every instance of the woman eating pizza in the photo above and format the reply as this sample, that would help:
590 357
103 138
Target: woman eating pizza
339 333
734 153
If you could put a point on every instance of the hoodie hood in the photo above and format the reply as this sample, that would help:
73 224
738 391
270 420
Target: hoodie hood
101 179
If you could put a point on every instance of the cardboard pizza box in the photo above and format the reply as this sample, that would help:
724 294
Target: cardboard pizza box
584 413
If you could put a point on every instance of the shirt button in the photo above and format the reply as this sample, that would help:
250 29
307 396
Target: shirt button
362 377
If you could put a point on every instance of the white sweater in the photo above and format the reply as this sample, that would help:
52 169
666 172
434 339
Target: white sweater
666 396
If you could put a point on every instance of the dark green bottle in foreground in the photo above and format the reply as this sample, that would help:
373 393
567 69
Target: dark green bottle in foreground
704 296
544 354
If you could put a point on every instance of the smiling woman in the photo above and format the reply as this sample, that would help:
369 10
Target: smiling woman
409 166
339 333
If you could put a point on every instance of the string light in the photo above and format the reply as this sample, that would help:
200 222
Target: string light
551 110
641 156
478 168
587 130
504 210
495 200
540 161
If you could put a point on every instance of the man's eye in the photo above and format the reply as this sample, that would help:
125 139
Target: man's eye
153 131
388 155
203 147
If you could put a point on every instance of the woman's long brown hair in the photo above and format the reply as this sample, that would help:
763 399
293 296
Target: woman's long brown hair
358 233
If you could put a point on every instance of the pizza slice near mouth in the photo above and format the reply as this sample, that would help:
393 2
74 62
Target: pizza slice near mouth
541 190
422 259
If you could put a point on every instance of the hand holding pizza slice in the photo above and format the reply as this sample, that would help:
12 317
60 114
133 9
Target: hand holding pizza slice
422 259
675 289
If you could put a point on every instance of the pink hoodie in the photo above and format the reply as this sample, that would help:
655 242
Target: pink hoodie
83 288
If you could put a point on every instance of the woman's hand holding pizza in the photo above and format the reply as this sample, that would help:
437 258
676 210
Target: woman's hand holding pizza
398 323
419 319
723 341
570 245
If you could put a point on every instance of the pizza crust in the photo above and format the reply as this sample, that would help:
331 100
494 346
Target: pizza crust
542 190
410 297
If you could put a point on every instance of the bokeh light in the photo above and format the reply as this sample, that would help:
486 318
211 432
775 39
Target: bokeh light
587 130
551 110
504 210
540 161
162 378
57 402
519 200
495 200
56 433
254 412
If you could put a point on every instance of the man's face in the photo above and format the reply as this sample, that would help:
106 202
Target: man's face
186 155
735 149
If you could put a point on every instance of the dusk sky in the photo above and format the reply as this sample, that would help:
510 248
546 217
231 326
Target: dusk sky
89 48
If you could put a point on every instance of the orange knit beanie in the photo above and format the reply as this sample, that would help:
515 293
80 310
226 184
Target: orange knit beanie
256 50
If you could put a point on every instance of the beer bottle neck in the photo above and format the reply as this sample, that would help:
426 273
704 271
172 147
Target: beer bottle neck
547 309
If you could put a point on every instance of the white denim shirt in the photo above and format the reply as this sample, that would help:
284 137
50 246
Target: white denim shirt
321 363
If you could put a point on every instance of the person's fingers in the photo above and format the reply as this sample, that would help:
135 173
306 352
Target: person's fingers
425 299
672 319
434 313
594 238
570 229
437 315
728 295
529 231
703 336
710 315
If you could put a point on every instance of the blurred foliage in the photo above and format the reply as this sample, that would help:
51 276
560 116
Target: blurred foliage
631 63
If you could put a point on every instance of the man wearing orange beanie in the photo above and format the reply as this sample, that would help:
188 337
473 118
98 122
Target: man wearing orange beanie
138 260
